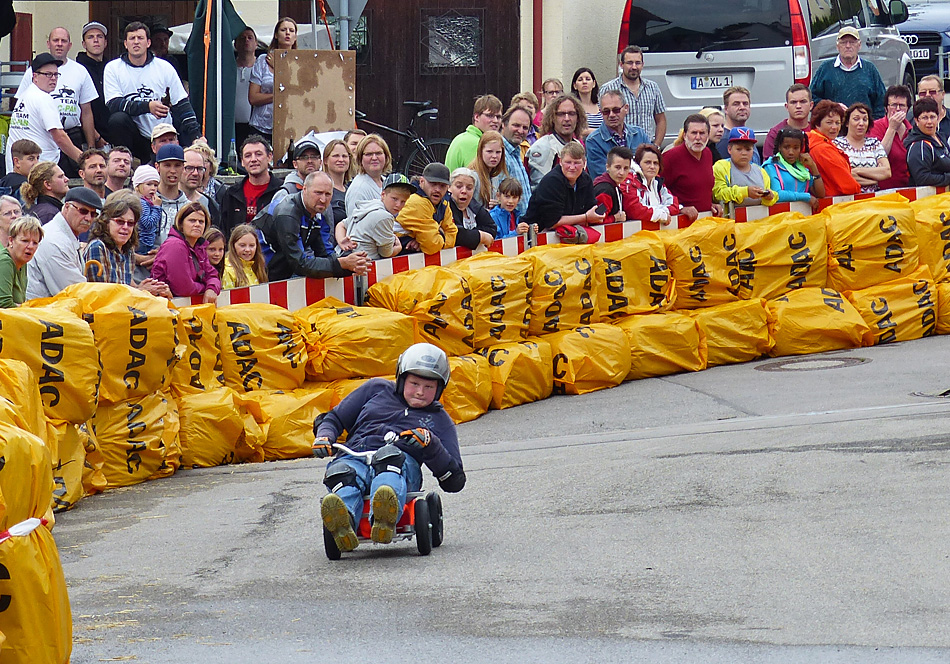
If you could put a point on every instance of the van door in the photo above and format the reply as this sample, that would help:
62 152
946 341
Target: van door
694 56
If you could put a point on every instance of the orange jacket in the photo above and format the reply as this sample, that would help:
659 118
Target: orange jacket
833 165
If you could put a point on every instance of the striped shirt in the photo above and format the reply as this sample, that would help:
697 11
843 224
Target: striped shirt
642 106
866 156
517 170
116 267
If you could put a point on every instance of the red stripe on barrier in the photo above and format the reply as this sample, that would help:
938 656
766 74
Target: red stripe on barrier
400 264
349 292
239 295
613 232
316 290
432 259
277 293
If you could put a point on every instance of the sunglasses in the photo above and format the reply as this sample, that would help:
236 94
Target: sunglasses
123 222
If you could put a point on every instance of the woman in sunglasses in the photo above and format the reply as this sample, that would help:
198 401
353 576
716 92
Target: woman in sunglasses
109 256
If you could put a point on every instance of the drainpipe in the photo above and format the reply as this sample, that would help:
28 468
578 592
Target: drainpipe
537 43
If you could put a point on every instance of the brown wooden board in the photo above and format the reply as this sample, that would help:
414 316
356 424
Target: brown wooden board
312 90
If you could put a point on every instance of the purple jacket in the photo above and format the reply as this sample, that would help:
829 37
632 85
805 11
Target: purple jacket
185 269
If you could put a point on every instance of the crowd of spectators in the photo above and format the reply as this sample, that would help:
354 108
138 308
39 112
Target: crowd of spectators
564 161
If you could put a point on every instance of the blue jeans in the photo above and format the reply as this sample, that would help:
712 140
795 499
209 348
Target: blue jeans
368 482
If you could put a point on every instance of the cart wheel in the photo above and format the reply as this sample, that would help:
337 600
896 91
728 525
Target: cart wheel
423 527
333 551
435 517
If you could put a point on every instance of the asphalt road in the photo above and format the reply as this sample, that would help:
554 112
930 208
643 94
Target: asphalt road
769 512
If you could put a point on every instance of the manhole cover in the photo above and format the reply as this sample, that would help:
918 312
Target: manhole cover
812 364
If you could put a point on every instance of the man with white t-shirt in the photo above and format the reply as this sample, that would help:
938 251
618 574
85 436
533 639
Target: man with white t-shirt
36 114
135 86
74 94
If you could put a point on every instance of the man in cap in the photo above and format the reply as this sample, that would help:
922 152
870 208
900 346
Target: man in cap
73 93
307 160
93 59
162 134
36 114
426 223
57 262
161 36
170 162
135 86
848 79
372 225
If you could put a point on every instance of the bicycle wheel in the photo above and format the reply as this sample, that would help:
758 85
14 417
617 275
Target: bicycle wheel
434 151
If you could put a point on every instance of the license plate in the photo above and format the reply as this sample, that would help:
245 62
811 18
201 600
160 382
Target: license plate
920 53
710 82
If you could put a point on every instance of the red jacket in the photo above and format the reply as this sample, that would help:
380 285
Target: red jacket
833 165
629 195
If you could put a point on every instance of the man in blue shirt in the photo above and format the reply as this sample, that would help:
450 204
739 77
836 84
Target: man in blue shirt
613 133
515 126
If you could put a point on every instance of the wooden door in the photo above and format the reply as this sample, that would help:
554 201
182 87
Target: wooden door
446 51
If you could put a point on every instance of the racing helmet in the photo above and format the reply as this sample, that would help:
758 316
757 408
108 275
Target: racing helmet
426 361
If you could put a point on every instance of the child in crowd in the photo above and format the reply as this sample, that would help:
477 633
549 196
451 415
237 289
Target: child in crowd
26 154
373 223
215 248
506 217
738 180
614 187
793 173
244 264
145 184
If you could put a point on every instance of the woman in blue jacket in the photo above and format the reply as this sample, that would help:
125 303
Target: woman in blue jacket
425 434
792 171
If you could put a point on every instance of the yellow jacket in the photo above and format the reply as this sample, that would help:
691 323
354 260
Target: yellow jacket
726 192
229 278
417 220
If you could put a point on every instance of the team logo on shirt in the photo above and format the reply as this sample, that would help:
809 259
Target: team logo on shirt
66 102
144 93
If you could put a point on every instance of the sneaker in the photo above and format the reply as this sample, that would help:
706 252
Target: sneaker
336 518
385 515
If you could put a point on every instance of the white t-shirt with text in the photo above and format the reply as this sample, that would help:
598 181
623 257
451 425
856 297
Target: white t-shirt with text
73 88
146 83
34 115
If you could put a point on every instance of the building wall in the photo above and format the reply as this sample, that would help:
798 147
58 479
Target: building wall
48 15
576 34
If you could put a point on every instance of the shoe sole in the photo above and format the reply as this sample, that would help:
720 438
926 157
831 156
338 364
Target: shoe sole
385 515
336 519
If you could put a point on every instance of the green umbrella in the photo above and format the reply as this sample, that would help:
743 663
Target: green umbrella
212 41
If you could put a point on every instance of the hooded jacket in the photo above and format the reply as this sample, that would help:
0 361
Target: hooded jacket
432 227
185 268
371 227
927 160
374 409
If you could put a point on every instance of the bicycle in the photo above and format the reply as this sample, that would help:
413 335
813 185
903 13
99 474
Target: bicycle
423 152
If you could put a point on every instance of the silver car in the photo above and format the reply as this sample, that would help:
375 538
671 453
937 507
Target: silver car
694 53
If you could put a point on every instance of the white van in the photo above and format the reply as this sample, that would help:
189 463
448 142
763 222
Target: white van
695 50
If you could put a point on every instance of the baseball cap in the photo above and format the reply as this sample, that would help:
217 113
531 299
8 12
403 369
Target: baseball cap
436 172
161 28
93 25
84 195
849 31
398 180
144 173
304 145
170 152
163 128
44 59
741 134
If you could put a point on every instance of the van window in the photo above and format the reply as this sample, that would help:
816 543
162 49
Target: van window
852 13
671 26
824 17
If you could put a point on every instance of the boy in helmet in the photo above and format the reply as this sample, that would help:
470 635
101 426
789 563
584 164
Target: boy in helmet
425 434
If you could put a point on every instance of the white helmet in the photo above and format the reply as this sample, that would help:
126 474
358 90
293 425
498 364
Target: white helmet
426 361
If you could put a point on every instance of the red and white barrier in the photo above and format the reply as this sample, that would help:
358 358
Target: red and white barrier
301 292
